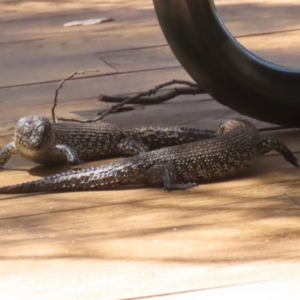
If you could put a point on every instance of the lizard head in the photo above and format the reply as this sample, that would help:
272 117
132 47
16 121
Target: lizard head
233 124
33 134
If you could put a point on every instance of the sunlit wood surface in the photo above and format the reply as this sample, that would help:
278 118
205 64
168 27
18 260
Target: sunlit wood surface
228 239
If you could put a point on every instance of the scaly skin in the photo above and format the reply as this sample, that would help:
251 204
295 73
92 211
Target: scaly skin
237 147
41 141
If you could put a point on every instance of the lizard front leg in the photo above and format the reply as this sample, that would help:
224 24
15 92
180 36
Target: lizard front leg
63 152
165 174
6 152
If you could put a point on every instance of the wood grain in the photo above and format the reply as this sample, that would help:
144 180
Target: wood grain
226 238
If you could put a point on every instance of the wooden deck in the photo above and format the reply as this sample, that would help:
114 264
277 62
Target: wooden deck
219 240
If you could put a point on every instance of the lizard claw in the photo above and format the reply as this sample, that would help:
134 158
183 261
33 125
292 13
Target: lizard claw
75 160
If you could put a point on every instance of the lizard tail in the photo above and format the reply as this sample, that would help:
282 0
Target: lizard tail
78 180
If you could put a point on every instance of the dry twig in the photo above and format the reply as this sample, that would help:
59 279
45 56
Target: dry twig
60 87
170 94
143 98
140 98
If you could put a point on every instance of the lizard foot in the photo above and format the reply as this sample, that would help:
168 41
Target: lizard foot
70 155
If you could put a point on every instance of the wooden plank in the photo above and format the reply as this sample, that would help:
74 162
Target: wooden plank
77 279
158 238
54 51
136 59
142 242
275 289
70 49
291 190
45 64
248 17
29 9
280 48
86 88
82 279
57 60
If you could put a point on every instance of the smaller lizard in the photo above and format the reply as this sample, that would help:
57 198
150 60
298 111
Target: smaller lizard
41 141
237 146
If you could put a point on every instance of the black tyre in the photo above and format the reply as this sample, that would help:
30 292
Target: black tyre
226 70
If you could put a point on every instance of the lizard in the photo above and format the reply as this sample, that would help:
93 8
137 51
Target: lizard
237 146
41 141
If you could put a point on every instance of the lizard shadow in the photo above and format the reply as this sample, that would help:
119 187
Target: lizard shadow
49 170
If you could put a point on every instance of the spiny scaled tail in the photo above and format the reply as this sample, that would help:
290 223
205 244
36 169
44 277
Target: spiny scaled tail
27 187
46 185
79 180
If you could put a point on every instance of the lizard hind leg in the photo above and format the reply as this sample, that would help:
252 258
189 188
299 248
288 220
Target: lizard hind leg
268 144
165 174
128 146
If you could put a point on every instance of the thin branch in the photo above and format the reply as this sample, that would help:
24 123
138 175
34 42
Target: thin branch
61 85
142 98
133 99
153 100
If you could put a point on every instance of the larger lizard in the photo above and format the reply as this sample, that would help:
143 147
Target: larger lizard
237 146
41 141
